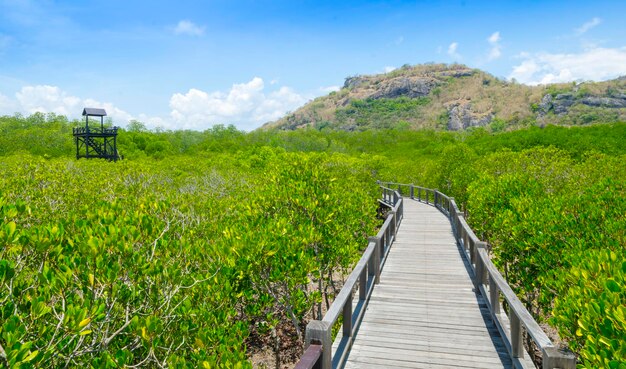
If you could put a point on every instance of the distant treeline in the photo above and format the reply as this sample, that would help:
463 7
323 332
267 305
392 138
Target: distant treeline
50 135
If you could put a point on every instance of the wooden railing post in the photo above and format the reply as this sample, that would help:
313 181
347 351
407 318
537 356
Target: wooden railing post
481 271
472 251
466 238
320 332
419 194
450 199
494 296
554 357
375 268
457 225
393 225
347 317
412 191
436 193
363 282
517 342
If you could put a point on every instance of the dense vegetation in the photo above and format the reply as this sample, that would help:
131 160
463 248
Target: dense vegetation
200 246
379 113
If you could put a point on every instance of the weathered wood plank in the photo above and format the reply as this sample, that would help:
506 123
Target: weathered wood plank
425 313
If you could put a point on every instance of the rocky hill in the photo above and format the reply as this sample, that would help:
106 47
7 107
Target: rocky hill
456 97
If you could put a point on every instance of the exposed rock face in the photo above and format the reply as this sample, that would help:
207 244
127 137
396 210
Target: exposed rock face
405 86
456 73
461 117
563 102
607 102
545 105
618 95
353 82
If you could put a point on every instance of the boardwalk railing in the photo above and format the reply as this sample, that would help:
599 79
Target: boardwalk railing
318 336
489 281
95 130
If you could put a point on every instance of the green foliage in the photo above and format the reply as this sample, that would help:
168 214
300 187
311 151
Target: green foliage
497 125
174 262
198 244
534 107
547 216
380 113
136 126
592 311
38 134
555 90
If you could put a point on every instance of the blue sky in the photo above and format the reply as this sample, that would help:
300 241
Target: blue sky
193 64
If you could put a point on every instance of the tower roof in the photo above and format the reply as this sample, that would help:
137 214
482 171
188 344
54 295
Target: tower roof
94 112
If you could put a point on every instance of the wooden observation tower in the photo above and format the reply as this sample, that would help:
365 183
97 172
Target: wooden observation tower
96 142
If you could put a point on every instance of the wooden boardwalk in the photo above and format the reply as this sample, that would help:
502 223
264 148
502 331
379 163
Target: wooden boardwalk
425 312
436 303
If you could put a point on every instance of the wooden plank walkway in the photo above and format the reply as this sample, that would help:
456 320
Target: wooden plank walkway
425 312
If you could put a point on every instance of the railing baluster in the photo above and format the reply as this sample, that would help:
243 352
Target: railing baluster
347 317
465 239
517 343
363 282
494 296
376 257
481 271
387 240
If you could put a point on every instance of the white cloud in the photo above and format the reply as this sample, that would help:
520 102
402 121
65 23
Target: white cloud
494 41
494 38
185 27
329 89
588 25
596 64
151 122
246 105
389 68
452 50
52 99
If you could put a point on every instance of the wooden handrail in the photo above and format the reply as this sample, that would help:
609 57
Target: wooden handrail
310 359
367 274
492 285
